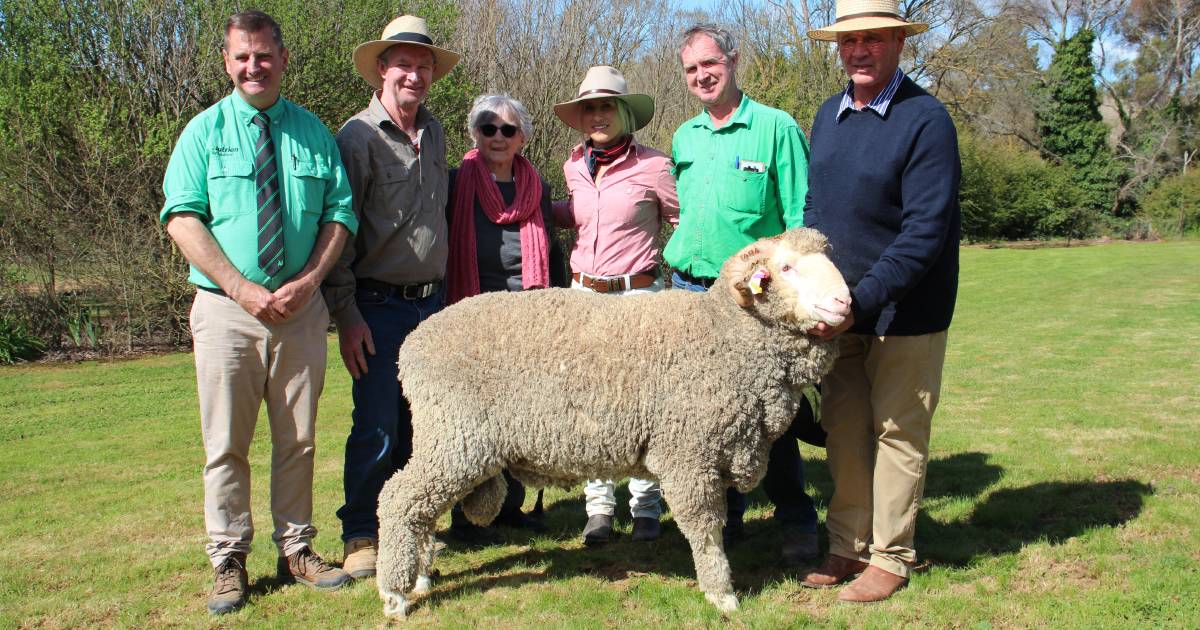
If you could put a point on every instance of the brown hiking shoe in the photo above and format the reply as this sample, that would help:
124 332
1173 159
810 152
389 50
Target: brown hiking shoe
229 585
359 558
307 568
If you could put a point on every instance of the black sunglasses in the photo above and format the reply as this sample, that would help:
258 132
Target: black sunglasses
489 130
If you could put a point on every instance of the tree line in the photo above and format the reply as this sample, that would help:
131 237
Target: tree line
1076 118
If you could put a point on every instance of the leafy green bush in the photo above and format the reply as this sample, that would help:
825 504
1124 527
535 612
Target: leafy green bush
18 344
1173 207
1009 193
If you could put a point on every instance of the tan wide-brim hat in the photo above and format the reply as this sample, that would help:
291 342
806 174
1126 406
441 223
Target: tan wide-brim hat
406 29
606 82
864 15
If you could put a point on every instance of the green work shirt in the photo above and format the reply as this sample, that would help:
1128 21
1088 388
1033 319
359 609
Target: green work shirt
738 183
211 174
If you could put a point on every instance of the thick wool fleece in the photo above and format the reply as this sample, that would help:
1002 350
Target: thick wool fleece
560 386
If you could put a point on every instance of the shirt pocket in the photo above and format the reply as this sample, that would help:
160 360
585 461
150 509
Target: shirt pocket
311 179
231 190
392 194
642 204
743 191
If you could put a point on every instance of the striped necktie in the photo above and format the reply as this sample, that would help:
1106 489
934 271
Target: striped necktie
270 208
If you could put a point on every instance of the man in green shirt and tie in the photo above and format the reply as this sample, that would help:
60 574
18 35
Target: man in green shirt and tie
258 202
741 169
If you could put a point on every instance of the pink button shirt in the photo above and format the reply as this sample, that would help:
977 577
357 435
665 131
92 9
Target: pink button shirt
618 221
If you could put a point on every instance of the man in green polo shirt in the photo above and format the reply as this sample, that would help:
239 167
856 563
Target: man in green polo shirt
741 170
258 202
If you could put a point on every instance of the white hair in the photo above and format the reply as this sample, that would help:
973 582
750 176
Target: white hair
493 104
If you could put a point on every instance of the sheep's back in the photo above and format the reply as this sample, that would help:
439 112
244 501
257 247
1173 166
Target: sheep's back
612 372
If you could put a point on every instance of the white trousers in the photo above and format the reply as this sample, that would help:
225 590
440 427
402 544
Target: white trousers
646 499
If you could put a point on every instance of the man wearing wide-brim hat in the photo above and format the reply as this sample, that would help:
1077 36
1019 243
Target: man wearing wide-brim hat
884 180
389 278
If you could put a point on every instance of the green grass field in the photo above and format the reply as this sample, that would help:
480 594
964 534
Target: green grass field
1064 487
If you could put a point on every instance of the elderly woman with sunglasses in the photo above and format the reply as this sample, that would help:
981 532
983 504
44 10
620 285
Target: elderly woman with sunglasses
501 239
621 193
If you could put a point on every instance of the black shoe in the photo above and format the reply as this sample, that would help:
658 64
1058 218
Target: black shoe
472 534
645 529
521 520
799 547
229 586
735 531
598 530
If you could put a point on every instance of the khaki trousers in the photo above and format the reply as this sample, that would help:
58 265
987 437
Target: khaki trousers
877 405
241 361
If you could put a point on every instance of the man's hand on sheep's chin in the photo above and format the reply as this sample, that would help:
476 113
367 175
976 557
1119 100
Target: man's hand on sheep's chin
351 341
257 300
827 332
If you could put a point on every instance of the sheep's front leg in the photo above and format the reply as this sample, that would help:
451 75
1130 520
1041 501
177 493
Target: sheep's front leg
699 511
409 506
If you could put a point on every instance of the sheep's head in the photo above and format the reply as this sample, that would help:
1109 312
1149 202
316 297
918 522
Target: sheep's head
791 277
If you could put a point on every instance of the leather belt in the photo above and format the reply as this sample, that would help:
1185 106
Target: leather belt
212 291
615 284
404 291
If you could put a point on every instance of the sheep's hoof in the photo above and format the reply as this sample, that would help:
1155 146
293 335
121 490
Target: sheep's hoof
726 603
423 586
394 604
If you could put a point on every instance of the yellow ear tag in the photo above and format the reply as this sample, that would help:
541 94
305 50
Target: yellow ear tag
756 280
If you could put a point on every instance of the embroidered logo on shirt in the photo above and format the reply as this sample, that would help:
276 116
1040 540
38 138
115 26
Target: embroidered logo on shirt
219 150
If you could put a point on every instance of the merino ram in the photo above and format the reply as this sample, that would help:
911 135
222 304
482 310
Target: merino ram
559 386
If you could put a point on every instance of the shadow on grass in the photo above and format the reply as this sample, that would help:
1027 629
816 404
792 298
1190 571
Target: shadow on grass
1008 519
1002 522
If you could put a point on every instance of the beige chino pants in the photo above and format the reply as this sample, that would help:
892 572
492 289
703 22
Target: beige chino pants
877 406
240 362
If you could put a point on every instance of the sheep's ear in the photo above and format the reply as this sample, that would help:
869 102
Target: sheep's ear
742 265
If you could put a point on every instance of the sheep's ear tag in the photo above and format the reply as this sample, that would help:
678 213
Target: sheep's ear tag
759 276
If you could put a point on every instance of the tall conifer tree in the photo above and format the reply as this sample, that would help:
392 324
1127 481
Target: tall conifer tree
1070 126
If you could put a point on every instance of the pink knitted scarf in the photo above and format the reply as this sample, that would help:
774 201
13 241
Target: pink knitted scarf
475 182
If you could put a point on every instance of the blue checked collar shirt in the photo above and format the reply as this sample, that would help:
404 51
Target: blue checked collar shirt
879 104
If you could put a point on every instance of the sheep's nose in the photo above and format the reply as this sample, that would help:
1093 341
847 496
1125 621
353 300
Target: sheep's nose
840 300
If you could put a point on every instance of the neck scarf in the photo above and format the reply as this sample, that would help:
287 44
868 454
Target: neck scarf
595 157
475 182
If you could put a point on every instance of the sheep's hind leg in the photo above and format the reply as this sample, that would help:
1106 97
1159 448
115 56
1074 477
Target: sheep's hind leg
698 510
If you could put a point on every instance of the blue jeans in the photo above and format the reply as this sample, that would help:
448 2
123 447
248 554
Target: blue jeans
784 482
380 441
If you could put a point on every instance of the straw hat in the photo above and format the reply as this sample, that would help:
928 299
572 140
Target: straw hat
864 15
606 82
406 29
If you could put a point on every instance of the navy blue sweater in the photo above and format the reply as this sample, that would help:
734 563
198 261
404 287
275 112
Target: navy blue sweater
885 192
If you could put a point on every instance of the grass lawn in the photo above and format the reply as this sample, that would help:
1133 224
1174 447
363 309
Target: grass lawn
1063 492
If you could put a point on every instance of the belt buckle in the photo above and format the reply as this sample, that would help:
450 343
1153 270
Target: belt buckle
412 291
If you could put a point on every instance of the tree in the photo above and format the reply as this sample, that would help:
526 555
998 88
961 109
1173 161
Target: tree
1153 93
1070 125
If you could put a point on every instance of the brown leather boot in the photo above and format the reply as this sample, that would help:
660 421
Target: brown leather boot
359 558
833 571
874 585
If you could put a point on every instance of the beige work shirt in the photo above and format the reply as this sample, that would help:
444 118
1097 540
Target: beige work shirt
400 201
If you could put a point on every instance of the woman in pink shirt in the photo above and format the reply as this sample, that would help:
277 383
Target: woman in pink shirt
620 194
